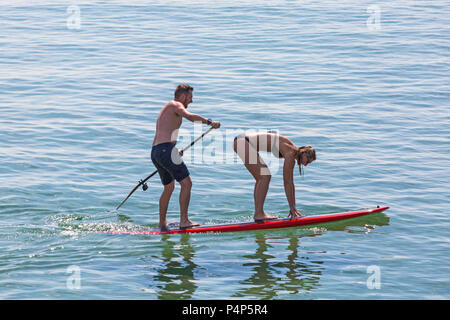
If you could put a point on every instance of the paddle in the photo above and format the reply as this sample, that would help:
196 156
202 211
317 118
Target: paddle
142 181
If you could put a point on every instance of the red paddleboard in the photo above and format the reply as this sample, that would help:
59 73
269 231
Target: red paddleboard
269 224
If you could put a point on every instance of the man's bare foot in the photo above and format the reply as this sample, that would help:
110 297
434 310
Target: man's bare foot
163 227
188 224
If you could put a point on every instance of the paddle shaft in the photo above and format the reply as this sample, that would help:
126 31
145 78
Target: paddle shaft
141 182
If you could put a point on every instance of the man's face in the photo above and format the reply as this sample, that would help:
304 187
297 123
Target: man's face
187 99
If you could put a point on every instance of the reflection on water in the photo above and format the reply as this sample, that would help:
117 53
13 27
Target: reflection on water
277 267
270 278
175 276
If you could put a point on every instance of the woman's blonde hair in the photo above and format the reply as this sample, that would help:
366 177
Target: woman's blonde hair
310 154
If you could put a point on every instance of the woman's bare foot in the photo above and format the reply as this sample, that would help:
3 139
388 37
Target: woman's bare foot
263 217
188 224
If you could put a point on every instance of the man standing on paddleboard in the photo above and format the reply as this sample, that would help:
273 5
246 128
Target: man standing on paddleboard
166 157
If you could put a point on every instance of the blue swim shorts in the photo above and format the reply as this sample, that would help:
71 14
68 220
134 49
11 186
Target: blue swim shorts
168 162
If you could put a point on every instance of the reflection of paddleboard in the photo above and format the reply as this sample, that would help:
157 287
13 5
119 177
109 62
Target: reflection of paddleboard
268 224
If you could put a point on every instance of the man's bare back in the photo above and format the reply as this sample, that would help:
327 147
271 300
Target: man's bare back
170 118
167 124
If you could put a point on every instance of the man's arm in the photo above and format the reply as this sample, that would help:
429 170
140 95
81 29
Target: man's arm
181 111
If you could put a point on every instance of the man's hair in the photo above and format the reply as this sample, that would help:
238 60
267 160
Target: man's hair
182 88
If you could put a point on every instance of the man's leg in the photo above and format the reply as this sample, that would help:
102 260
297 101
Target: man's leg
164 204
185 197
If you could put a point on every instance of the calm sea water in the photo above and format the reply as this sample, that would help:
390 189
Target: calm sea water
364 82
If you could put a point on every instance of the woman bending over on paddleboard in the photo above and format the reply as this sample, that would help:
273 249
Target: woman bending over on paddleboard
247 147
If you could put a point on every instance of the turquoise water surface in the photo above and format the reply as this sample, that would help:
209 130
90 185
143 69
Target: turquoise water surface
364 82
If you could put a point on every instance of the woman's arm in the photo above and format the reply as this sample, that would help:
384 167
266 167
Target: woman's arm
288 178
289 188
